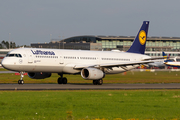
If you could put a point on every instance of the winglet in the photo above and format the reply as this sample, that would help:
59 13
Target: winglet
139 43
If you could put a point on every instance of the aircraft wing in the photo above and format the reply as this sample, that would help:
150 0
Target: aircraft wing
113 64
156 58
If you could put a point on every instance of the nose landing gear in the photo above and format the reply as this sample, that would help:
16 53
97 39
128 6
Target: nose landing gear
21 80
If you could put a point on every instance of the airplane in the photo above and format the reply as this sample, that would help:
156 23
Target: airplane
39 63
169 62
157 63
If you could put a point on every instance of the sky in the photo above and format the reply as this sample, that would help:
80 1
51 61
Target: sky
38 21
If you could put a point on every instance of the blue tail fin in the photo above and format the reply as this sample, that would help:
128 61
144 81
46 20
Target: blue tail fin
139 43
164 55
166 58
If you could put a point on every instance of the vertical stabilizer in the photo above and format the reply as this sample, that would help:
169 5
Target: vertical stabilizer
139 43
164 55
166 58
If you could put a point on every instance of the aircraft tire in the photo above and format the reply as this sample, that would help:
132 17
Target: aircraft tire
20 82
100 82
64 80
94 82
59 81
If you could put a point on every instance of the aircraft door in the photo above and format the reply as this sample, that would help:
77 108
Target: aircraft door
30 56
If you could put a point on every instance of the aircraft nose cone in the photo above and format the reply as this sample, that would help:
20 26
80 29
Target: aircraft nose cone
5 63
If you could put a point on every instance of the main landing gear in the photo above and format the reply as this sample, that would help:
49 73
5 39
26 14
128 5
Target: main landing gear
21 80
98 82
62 80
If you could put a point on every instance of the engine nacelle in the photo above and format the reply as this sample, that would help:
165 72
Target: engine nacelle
92 74
39 75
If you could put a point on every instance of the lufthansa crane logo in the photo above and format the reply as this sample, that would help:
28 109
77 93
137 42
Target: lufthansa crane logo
142 37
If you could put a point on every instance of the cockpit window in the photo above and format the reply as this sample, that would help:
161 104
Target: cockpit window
20 55
14 55
11 55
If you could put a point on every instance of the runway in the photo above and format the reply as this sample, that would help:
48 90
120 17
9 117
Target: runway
7 72
88 86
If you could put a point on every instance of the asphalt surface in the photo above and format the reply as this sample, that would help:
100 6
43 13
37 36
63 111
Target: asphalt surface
88 86
79 86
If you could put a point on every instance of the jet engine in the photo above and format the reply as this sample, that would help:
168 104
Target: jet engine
92 74
39 75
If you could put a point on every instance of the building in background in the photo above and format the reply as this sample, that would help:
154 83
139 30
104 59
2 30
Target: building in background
106 43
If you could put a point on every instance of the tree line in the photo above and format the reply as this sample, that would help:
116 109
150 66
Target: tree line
6 45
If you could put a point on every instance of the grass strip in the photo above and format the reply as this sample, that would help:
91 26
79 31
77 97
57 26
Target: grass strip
90 105
2 69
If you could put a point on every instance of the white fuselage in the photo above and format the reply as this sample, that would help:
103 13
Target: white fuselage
172 64
64 61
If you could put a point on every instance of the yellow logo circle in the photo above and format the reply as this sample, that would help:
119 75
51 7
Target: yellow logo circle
142 37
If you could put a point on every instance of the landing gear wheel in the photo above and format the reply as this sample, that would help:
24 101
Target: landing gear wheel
100 82
64 80
59 80
94 82
20 82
